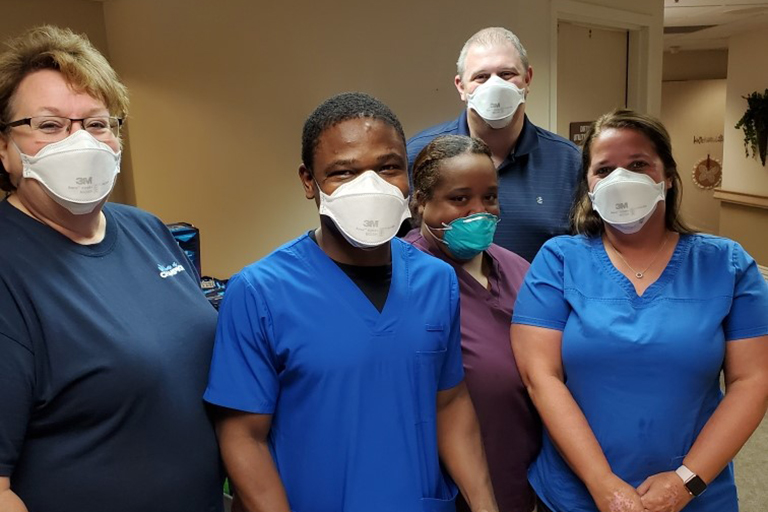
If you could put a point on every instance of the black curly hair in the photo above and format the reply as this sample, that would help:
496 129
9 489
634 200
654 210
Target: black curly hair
426 167
339 108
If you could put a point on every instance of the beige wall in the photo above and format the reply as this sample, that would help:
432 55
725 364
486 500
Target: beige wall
691 109
747 72
220 91
82 16
748 226
586 92
695 65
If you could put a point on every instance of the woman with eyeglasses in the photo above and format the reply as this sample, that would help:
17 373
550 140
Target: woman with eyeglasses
105 336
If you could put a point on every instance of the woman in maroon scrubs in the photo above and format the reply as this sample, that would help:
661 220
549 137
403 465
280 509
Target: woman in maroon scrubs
456 209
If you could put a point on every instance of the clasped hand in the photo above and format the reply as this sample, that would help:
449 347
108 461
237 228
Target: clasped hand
663 492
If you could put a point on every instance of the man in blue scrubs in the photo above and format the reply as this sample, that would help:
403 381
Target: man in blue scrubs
337 366
538 170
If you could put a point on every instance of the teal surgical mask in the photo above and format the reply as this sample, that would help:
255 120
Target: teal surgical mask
466 237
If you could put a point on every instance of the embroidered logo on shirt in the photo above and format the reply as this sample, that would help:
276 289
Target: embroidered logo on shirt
540 200
170 270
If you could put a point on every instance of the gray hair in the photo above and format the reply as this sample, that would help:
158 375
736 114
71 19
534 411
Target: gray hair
491 36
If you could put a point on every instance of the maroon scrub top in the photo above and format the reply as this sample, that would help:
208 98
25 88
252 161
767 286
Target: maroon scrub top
510 426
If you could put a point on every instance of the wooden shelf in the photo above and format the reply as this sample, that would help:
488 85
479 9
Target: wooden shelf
730 196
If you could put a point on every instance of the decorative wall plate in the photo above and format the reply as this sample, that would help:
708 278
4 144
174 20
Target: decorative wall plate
707 173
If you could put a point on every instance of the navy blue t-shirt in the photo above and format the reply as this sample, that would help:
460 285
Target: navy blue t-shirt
537 182
104 357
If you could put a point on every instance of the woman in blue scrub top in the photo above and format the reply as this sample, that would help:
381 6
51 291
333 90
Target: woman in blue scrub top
621 332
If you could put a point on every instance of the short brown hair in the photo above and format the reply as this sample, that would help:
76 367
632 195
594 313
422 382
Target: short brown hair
586 221
59 49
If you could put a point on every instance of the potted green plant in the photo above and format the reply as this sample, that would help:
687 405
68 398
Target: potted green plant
754 122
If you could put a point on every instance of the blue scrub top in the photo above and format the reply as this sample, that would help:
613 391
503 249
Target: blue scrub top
352 391
644 370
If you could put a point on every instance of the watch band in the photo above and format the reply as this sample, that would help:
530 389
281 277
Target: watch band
691 480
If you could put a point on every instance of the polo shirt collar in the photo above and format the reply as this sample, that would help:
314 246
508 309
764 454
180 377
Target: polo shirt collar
463 128
526 143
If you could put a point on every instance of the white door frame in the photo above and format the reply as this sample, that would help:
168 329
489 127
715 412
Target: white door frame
644 81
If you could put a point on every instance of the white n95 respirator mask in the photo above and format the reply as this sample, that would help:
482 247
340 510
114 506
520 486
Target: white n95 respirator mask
77 172
368 210
626 199
496 101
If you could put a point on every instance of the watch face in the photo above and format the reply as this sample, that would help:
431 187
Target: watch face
696 485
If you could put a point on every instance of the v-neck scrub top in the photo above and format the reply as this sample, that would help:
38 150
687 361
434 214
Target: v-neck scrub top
643 369
352 391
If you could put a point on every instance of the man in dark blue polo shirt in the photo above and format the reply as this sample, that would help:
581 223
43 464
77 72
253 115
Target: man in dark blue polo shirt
538 170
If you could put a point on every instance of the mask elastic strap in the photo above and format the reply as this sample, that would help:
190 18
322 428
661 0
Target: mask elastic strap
319 190
429 230
18 149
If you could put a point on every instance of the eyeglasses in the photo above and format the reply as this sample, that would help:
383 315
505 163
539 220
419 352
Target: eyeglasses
53 128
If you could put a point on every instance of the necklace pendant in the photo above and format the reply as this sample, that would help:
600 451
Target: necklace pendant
639 275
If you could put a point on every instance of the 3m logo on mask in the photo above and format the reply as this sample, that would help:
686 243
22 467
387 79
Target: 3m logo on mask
496 104
84 181
371 223
622 206
169 270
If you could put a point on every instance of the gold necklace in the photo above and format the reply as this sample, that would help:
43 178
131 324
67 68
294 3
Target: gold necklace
639 274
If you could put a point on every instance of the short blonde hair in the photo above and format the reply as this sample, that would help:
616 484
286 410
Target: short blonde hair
59 49
491 37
